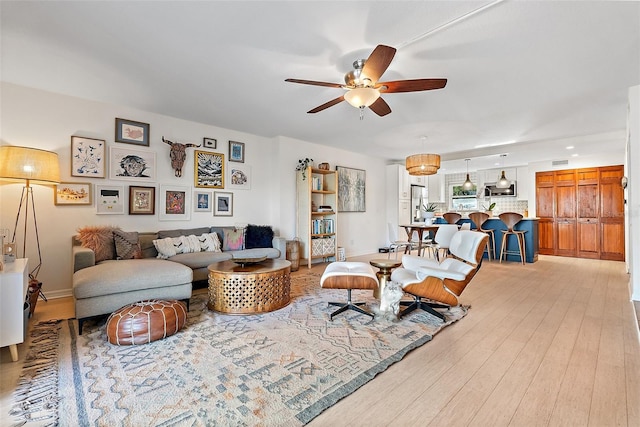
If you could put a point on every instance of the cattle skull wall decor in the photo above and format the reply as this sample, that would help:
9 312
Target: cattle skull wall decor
178 153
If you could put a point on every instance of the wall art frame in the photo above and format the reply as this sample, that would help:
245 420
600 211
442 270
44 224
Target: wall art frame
142 200
88 157
236 151
202 201
175 203
223 203
239 177
208 169
110 199
210 143
72 194
132 165
132 132
352 186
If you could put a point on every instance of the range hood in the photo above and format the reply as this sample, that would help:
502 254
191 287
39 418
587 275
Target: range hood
490 190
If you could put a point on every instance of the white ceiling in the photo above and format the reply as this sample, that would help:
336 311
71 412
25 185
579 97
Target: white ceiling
542 74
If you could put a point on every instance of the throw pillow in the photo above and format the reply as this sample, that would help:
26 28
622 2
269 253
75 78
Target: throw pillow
165 247
233 239
209 242
127 246
258 236
100 240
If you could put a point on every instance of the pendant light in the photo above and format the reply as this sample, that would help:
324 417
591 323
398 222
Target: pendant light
503 182
423 163
468 185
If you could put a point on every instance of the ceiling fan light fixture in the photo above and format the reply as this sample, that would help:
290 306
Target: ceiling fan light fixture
361 97
423 164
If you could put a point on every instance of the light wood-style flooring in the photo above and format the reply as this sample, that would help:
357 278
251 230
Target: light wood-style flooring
551 343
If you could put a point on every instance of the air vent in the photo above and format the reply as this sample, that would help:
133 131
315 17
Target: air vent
559 162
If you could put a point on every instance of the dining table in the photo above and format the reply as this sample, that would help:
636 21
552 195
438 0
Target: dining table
419 228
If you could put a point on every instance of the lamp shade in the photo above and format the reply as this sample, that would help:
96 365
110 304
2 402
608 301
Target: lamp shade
503 182
423 164
362 96
31 164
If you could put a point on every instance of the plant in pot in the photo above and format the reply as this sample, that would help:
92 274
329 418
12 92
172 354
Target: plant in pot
489 210
302 166
429 210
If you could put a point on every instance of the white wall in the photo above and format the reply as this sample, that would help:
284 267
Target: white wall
632 169
34 118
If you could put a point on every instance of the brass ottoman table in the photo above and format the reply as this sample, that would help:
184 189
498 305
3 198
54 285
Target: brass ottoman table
250 288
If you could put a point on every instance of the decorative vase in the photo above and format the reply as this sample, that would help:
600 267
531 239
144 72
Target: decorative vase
428 215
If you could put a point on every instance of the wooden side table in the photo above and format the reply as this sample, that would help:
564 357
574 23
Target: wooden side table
14 281
385 267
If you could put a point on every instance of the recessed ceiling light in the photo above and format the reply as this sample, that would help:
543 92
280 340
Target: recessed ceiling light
570 147
574 155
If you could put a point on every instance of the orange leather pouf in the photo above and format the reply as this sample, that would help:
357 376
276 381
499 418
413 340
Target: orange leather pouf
146 321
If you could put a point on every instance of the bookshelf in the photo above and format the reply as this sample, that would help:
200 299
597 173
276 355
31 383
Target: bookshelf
317 219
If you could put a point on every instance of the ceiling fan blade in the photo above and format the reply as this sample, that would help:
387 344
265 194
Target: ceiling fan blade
416 85
380 107
327 105
313 83
378 62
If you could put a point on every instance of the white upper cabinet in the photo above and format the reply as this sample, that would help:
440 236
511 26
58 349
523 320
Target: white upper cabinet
436 188
404 183
418 180
523 182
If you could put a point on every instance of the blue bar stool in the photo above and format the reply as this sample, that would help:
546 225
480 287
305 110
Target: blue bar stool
510 219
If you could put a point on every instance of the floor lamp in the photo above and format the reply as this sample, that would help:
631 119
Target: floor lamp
30 165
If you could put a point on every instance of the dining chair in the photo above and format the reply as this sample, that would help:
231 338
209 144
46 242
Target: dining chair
441 240
394 243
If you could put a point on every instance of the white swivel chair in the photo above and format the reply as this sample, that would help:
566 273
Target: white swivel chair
442 239
438 285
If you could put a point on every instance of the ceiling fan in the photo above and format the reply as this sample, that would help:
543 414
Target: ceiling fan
363 87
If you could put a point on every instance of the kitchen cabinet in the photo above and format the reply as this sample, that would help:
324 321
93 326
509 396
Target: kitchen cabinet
435 184
417 179
522 178
404 183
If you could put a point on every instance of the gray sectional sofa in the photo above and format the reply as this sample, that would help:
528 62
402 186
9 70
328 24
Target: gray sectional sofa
103 287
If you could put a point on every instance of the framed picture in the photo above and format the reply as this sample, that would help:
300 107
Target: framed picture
222 204
88 157
236 151
110 199
132 165
130 132
202 201
209 143
208 169
351 189
142 200
174 203
239 177
72 193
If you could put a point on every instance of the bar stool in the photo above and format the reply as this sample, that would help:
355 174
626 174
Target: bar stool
510 219
478 219
451 217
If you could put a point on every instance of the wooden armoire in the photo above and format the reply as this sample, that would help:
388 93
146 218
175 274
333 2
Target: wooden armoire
581 212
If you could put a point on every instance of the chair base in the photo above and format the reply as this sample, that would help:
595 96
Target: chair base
349 305
422 305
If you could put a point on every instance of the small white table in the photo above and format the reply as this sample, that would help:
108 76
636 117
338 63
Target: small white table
14 281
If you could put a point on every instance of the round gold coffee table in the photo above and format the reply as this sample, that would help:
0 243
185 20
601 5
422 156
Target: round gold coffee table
249 288
384 274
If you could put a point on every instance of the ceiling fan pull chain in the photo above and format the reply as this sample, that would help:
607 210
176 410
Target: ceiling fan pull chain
361 112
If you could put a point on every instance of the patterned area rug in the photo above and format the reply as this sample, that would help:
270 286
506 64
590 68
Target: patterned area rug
277 369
